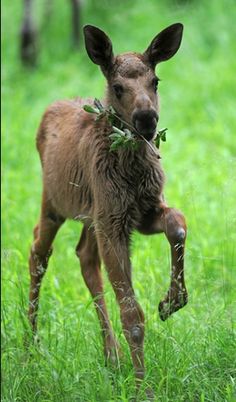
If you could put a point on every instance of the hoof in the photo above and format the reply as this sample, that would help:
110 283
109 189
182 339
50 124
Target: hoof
148 396
113 355
172 304
31 338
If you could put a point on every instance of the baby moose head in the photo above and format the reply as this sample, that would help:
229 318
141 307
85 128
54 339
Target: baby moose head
132 82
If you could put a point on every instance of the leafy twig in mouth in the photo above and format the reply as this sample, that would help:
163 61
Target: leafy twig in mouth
126 135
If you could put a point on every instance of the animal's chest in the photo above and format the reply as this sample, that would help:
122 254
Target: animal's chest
144 185
130 186
148 189
139 194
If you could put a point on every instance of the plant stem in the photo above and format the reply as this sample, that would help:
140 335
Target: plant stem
136 132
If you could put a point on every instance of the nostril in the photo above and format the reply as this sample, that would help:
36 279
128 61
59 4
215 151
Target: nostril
145 115
145 120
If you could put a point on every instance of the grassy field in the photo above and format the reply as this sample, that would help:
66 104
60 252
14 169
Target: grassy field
192 356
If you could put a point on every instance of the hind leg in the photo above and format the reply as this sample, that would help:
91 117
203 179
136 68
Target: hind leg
87 251
44 234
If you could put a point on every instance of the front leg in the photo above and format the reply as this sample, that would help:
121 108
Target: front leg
116 259
171 222
113 242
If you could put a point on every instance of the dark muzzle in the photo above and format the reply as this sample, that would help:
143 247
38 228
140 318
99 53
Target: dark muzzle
145 122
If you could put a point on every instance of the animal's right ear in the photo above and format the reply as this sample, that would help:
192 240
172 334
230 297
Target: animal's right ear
99 47
164 45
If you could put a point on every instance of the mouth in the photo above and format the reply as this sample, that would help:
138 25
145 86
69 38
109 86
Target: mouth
149 131
145 122
149 136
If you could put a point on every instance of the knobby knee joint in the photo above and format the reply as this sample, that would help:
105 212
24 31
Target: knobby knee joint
177 238
137 334
176 229
133 322
180 235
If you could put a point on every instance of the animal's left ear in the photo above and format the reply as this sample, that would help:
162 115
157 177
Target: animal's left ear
164 45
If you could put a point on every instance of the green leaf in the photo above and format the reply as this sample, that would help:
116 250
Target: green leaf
157 141
111 118
162 134
128 133
90 109
163 137
114 136
117 130
114 146
162 130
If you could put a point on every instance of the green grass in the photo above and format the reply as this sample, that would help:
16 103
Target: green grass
192 356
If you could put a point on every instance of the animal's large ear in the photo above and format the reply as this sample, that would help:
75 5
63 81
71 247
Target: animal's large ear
164 45
99 47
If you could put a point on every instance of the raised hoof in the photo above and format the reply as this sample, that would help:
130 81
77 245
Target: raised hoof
172 304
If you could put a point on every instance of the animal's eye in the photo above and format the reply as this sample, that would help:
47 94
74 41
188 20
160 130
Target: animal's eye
118 90
155 82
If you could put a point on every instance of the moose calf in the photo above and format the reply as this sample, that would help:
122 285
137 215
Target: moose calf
112 193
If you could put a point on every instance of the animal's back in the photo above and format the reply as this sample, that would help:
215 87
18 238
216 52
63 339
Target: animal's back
63 143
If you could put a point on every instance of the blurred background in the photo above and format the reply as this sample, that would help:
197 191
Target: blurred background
197 92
